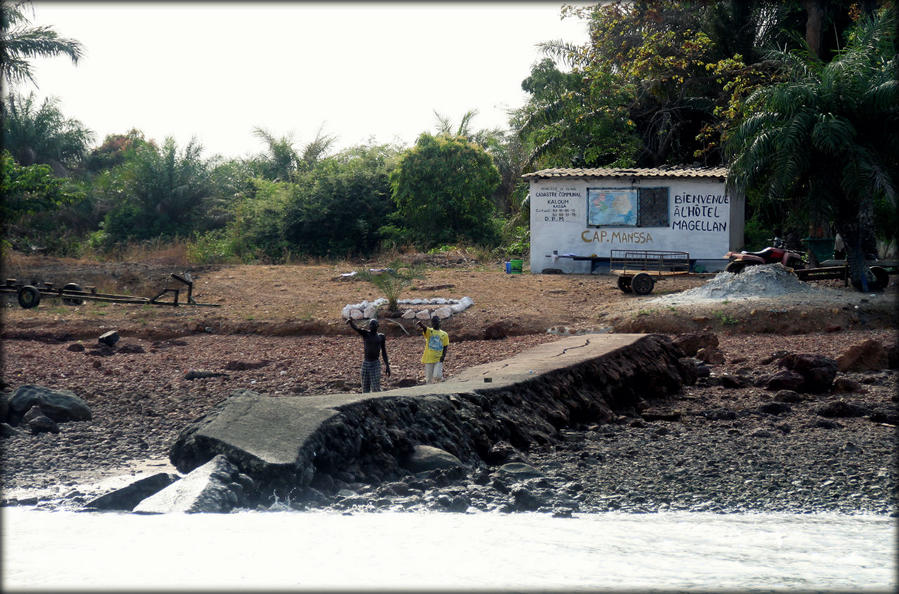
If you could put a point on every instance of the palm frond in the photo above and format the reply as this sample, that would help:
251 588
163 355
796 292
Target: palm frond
832 134
444 125
562 51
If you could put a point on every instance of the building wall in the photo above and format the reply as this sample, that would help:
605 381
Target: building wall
702 220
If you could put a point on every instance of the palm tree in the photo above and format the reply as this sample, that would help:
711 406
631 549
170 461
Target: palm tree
445 124
826 140
279 163
19 43
315 150
43 134
282 160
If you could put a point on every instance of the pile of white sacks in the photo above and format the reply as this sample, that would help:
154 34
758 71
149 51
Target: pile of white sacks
419 308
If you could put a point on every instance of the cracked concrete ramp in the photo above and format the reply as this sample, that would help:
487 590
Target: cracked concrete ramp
368 437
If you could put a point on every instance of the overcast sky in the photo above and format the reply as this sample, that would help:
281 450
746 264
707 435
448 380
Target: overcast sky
216 71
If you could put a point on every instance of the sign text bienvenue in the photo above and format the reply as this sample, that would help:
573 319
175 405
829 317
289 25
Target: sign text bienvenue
700 212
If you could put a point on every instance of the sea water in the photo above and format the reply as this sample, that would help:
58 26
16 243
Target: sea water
47 550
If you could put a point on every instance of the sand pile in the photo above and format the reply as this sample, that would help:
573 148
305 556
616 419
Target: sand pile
755 282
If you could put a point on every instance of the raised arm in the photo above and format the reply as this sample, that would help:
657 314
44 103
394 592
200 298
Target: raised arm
353 325
384 354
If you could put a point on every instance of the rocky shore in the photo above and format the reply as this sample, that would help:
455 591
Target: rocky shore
759 429
793 407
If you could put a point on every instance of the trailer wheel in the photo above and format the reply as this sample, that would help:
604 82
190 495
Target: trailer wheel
881 277
624 283
72 300
735 267
878 278
28 297
642 284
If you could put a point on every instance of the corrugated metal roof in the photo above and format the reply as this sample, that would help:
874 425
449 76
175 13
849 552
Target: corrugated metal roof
707 172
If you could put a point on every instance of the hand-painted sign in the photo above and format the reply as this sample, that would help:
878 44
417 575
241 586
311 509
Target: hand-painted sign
700 212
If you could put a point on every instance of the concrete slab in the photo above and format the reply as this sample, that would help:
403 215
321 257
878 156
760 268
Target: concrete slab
521 399
543 358
291 420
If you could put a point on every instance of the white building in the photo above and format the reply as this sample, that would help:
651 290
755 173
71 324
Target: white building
589 212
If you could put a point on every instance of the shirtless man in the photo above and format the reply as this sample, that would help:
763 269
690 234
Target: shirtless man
374 347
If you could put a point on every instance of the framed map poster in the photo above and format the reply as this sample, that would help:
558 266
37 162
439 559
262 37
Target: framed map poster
612 207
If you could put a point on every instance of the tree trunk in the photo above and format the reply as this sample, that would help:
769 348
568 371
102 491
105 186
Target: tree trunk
857 232
855 258
814 24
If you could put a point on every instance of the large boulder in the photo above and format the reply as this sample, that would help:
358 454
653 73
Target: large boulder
4 407
864 356
215 487
7 430
109 338
425 458
690 343
817 371
59 405
841 408
42 424
785 380
518 471
711 355
126 498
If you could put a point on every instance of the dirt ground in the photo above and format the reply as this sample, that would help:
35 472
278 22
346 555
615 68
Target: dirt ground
290 300
278 330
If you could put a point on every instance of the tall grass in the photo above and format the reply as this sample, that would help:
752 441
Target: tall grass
202 250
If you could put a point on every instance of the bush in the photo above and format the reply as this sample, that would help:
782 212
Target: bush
442 189
516 242
211 247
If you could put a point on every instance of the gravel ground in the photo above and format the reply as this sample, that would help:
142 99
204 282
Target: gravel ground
721 454
728 451
725 449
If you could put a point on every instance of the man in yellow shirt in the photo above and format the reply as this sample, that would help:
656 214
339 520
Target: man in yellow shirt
436 344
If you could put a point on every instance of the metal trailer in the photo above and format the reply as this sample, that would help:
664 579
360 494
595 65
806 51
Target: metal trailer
638 270
878 273
30 295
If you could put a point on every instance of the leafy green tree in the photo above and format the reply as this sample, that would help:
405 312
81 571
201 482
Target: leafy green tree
575 121
280 162
339 206
31 189
660 56
165 193
29 193
20 43
826 140
677 71
442 188
504 148
256 229
43 134
115 150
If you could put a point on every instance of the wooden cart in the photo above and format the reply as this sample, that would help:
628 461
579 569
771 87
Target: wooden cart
638 270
